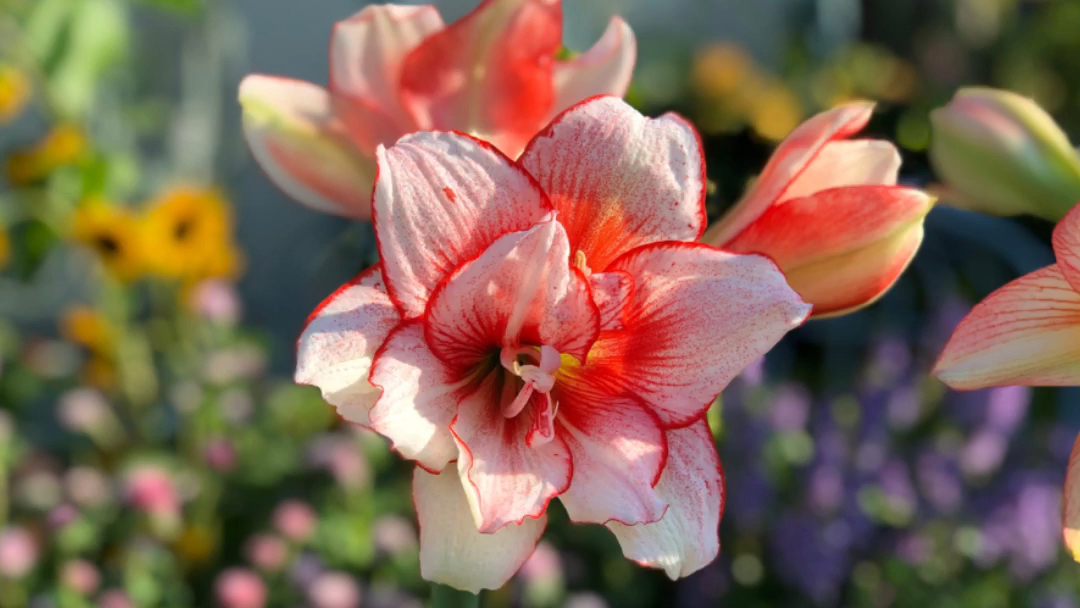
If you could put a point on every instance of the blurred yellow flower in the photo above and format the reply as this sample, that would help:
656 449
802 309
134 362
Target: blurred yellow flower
188 235
14 93
776 111
88 328
113 232
720 69
64 145
5 247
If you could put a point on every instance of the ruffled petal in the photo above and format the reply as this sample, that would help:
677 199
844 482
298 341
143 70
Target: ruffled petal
605 69
489 73
688 537
1025 333
367 50
452 551
336 348
697 317
860 162
620 180
440 200
1067 246
296 133
419 398
618 448
791 158
506 480
521 290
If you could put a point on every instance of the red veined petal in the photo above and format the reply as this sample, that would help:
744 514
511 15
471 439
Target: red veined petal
1067 246
860 162
611 291
604 69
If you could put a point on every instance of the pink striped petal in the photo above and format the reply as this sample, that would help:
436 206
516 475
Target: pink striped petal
697 317
605 69
338 344
452 551
611 291
1067 246
620 180
860 162
440 200
687 538
1025 333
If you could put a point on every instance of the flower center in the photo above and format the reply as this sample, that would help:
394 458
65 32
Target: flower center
536 368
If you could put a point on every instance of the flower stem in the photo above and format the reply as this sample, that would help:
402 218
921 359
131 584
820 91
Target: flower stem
448 597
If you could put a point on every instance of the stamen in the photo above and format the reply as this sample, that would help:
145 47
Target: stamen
580 262
537 377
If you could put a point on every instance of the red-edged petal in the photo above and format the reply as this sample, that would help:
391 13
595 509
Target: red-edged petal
489 73
618 448
452 551
297 134
440 200
521 290
697 317
791 158
368 49
605 69
840 248
336 348
1067 246
611 291
860 162
688 537
1025 333
505 479
620 180
419 397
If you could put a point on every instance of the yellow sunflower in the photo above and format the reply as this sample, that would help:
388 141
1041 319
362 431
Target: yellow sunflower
188 235
88 328
113 233
66 144
14 93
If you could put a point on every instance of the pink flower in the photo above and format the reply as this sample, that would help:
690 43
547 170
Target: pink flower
827 209
114 598
334 590
240 588
397 69
550 325
81 576
151 489
18 552
295 520
267 552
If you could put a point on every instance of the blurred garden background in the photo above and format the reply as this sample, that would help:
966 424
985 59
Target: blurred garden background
154 452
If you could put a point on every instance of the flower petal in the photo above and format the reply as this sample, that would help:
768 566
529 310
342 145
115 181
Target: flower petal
1067 246
688 537
297 137
440 200
860 162
1071 508
1022 334
489 73
620 180
791 158
611 291
419 398
521 290
338 344
604 69
505 479
697 317
618 448
842 247
452 551
368 49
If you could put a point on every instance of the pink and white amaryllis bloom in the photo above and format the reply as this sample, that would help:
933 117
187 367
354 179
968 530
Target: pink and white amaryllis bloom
1027 333
544 328
397 69
829 211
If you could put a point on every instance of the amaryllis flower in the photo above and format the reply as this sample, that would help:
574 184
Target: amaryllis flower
1026 333
828 210
549 328
397 69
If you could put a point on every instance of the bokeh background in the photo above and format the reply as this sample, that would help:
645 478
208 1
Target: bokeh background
153 452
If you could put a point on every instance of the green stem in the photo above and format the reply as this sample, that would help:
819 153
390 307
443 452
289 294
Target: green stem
448 597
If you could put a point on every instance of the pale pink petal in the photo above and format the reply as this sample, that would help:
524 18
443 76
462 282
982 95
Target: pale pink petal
620 180
1071 507
506 480
860 162
605 69
697 317
338 344
1025 333
687 538
367 50
440 200
1067 246
791 158
618 448
452 551
296 133
419 398
611 291
489 73
521 290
